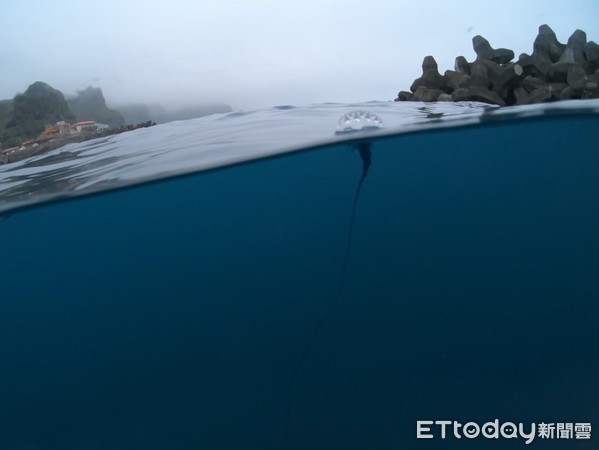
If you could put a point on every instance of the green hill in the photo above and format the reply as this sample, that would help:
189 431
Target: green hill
26 116
6 107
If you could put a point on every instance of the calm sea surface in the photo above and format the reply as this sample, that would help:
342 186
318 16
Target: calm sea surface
211 284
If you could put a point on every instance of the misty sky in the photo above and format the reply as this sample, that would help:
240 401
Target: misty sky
259 53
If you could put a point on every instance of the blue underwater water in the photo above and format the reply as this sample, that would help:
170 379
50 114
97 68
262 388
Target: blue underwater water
205 311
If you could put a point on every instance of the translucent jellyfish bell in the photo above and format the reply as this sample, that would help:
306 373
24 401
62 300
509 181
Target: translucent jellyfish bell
358 121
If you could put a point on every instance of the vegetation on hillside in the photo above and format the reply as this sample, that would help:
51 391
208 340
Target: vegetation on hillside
26 116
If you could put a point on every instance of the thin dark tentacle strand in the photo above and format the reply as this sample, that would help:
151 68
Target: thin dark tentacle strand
365 154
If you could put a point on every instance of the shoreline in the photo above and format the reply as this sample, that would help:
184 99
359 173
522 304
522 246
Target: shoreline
47 146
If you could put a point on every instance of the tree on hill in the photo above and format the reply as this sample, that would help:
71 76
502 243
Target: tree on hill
30 112
5 113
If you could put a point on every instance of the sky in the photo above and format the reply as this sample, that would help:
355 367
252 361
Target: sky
259 53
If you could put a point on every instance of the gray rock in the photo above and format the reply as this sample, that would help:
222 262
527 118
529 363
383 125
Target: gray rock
424 94
502 77
591 90
431 78
565 94
577 43
568 56
553 71
542 61
403 96
591 54
530 68
558 72
556 89
546 42
577 80
461 65
518 70
540 95
591 51
576 76
444 98
547 50
477 88
429 63
477 94
456 80
483 50
522 96
479 76
594 78
531 84
492 70
575 50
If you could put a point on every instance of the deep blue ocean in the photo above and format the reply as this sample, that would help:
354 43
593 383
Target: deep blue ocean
186 286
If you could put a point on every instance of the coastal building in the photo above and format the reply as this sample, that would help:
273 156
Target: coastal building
83 126
63 128
9 151
50 132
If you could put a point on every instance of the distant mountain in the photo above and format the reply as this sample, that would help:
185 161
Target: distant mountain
26 115
138 112
158 111
89 104
135 113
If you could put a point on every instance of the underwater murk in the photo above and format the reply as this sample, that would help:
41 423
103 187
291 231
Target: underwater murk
304 278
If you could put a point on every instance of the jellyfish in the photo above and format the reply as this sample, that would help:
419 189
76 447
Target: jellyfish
365 151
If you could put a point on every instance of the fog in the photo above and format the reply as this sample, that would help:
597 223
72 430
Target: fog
260 53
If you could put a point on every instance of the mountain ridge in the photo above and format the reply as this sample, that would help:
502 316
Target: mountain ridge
26 115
